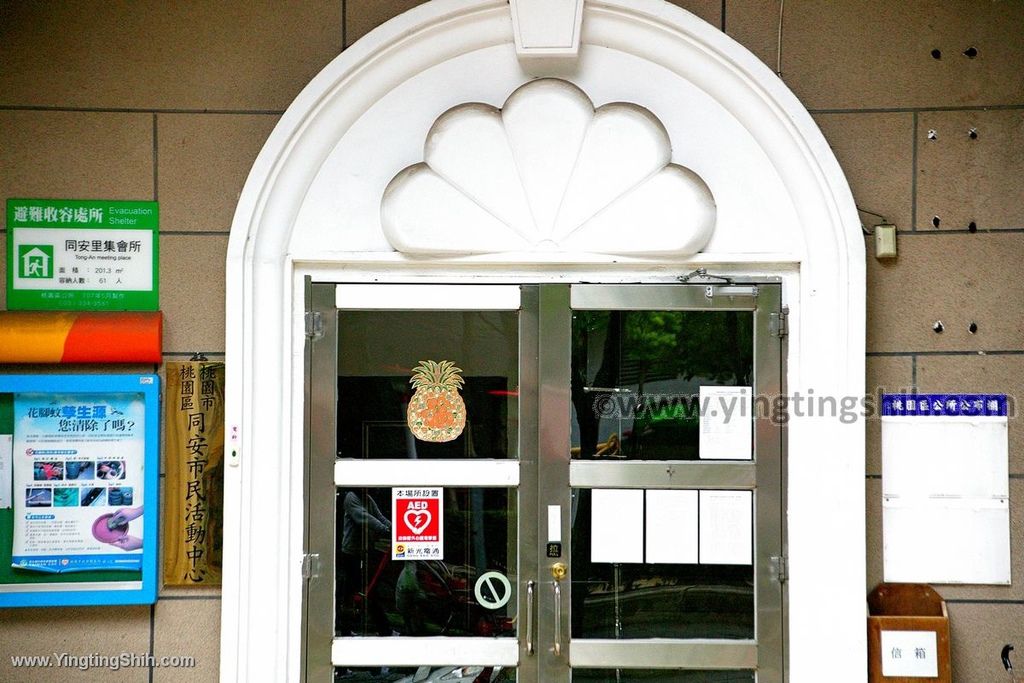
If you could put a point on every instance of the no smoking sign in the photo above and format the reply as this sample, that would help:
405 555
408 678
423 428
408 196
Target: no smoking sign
417 524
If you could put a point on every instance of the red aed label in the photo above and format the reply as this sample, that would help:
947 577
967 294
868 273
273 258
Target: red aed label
417 520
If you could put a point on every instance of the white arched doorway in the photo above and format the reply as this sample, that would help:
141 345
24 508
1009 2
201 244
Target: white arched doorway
312 208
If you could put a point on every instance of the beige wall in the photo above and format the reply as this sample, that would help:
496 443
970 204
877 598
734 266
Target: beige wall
156 101
168 101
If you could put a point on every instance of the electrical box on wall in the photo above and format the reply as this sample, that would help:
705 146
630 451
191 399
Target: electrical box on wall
885 241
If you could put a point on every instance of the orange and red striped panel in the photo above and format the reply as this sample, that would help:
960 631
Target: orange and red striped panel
70 337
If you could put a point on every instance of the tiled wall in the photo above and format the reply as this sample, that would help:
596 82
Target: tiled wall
172 101
157 101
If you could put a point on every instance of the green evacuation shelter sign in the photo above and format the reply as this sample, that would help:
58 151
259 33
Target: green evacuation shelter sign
82 255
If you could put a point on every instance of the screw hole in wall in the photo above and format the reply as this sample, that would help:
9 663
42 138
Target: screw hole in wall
971 52
933 135
936 54
936 220
972 328
938 327
973 133
972 227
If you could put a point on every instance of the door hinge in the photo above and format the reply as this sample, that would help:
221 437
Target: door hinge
778 323
311 566
778 569
314 325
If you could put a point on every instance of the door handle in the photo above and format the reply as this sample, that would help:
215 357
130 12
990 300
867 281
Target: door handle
559 571
558 617
529 616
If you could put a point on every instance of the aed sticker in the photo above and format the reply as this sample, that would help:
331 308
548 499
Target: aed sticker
417 527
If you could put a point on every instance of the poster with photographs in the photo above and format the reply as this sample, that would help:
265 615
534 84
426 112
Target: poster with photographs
78 481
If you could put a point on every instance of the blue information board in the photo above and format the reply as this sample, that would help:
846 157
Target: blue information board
947 405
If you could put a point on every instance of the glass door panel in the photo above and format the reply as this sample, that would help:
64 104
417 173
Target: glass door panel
378 595
674 492
378 352
637 377
415 423
597 524
664 592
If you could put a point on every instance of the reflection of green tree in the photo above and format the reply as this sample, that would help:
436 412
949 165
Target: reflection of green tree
712 345
642 346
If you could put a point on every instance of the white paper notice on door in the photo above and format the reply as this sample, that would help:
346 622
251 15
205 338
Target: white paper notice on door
671 527
6 469
726 423
726 527
616 525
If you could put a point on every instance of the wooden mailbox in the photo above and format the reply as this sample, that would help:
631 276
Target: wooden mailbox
908 635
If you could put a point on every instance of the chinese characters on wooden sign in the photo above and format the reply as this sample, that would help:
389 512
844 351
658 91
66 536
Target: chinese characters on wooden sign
194 499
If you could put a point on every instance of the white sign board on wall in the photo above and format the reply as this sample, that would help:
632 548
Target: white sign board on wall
945 488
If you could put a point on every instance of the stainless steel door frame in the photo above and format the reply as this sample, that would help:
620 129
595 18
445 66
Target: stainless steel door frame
554 493
764 475
320 491
530 550
547 477
770 504
324 304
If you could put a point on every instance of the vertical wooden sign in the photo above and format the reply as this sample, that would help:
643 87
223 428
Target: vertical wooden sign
194 493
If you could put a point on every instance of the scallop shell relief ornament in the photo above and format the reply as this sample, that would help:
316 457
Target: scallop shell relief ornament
548 172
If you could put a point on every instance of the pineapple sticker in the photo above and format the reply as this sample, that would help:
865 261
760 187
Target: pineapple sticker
436 411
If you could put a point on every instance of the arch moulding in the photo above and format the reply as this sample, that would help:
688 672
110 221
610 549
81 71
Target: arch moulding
312 208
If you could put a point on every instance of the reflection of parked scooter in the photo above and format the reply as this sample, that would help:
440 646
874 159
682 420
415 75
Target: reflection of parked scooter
462 674
435 598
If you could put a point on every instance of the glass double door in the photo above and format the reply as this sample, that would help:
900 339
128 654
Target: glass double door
544 483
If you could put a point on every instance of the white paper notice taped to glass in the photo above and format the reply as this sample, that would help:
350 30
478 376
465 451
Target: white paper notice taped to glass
6 470
671 527
726 423
910 654
616 524
945 488
726 527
